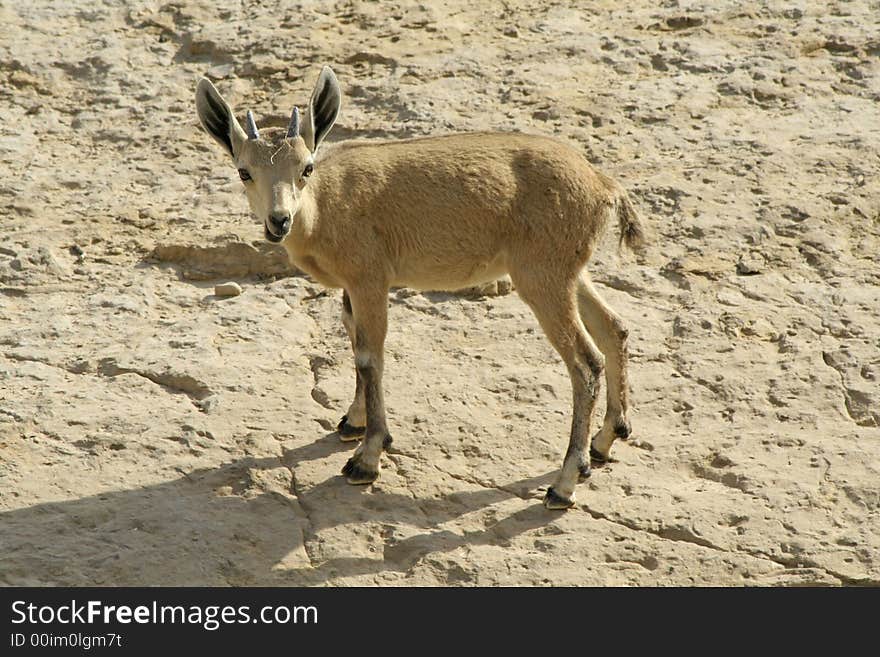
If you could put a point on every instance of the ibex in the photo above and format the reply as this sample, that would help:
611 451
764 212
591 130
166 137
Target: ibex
440 213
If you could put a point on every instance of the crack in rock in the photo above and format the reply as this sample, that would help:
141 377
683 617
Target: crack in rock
316 364
308 532
684 535
857 404
176 382
78 367
231 259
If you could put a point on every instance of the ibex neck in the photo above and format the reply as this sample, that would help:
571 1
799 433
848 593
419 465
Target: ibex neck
304 222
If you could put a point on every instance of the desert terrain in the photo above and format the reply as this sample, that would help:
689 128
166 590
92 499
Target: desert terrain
154 433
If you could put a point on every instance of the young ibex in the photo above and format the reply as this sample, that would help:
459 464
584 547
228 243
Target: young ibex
440 213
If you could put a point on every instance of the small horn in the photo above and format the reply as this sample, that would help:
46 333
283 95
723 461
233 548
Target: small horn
251 126
293 127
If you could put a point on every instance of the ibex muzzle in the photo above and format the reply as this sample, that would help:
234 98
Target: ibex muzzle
277 226
441 213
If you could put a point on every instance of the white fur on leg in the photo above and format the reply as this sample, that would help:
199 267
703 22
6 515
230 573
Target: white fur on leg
368 452
363 358
603 439
357 413
568 477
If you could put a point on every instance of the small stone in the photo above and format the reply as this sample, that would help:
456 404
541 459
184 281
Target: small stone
511 31
230 289
683 22
208 404
747 267
220 71
729 298
545 114
78 253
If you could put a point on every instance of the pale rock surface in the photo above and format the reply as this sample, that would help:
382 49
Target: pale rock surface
151 433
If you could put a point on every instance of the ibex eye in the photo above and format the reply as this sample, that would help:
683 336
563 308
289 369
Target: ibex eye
244 175
308 170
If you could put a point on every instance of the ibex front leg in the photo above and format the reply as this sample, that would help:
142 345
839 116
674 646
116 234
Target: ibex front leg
353 424
370 314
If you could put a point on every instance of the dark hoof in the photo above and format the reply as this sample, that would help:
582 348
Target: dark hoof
386 441
357 474
597 457
585 471
623 430
554 501
348 431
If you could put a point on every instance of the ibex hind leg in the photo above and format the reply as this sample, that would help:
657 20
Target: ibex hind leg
607 329
553 302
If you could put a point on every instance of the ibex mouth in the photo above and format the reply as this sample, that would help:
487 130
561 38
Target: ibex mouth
271 237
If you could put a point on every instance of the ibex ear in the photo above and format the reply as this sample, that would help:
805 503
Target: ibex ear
217 117
323 109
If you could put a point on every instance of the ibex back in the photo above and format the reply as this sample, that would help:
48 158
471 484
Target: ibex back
440 213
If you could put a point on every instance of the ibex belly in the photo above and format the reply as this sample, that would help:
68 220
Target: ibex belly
454 272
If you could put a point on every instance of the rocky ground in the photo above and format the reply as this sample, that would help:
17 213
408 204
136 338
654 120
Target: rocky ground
152 432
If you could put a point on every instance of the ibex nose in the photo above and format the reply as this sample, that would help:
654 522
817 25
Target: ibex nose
279 222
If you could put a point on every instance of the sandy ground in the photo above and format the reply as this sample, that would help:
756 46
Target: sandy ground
153 433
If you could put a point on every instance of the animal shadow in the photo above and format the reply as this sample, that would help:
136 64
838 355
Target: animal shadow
246 522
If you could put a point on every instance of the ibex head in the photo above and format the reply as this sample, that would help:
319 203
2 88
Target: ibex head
274 163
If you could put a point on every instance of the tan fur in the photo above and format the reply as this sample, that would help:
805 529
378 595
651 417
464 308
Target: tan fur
446 213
